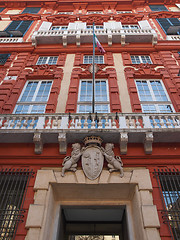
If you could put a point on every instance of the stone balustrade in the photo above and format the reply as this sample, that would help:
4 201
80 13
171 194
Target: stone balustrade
120 128
10 39
90 121
85 36
173 37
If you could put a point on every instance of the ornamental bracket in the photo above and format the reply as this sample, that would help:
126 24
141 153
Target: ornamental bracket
148 142
62 143
37 139
123 142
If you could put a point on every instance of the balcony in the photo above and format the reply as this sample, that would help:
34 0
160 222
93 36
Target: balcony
117 128
173 37
11 39
122 36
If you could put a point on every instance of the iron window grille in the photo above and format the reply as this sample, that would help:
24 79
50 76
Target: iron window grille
13 188
169 187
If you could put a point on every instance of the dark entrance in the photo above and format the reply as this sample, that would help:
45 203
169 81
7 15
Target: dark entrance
92 220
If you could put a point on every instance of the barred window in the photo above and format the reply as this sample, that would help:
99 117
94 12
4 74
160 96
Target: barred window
88 59
169 187
13 187
47 60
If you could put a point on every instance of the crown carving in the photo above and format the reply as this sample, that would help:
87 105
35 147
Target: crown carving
93 140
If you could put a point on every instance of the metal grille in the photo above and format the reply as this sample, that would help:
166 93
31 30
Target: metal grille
13 187
169 186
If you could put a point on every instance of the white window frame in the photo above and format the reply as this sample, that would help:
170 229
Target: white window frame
70 13
94 12
97 27
99 58
47 60
130 26
32 102
90 102
59 28
140 57
120 12
154 102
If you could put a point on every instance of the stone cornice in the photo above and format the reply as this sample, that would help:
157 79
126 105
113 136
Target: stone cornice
25 17
164 14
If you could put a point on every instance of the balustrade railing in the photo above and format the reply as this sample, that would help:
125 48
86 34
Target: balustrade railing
90 121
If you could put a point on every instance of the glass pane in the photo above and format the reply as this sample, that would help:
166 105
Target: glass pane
158 91
143 90
29 92
44 91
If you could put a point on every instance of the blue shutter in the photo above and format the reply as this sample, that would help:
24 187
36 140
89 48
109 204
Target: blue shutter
3 58
21 26
31 10
158 8
1 9
165 23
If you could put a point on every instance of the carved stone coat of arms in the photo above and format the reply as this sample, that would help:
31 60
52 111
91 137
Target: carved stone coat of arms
92 156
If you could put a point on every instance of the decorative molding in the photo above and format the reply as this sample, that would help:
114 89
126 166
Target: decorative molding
61 19
148 142
62 143
164 14
123 142
96 18
144 69
128 18
25 17
92 157
37 139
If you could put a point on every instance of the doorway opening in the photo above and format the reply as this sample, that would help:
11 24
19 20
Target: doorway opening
93 223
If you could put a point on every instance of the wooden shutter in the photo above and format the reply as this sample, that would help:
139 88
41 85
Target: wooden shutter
3 58
158 8
23 27
164 23
31 10
167 22
1 9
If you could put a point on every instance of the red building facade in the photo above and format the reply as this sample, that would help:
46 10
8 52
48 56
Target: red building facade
46 107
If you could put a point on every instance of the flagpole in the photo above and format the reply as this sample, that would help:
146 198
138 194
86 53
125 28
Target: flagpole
93 97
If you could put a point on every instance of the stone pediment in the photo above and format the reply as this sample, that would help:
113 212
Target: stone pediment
96 18
25 17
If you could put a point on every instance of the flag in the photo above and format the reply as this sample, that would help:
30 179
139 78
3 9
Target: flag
98 45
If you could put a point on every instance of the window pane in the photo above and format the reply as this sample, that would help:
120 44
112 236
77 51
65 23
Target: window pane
149 108
29 92
158 91
144 91
22 109
165 109
43 92
38 108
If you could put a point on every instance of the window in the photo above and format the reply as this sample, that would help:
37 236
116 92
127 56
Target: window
3 58
86 94
18 28
47 60
130 26
169 187
140 59
153 96
70 13
170 25
120 12
59 28
158 8
13 185
31 10
88 59
34 97
99 12
95 27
